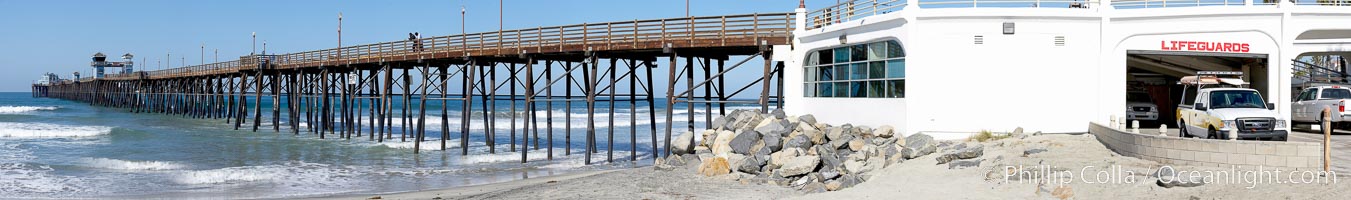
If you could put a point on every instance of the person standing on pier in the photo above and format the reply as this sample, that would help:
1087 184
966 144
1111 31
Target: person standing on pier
417 41
412 38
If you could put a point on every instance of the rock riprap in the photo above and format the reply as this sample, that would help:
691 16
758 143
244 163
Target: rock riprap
798 151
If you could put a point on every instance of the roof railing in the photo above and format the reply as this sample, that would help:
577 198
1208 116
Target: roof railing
856 9
851 10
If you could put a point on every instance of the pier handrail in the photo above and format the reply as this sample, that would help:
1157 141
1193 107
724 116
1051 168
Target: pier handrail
679 32
618 35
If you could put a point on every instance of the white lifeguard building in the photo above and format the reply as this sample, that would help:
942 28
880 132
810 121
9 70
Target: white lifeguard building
953 67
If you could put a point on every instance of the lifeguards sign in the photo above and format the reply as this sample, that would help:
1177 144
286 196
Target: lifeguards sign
1204 46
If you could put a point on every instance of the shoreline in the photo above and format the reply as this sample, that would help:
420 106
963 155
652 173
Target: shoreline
464 192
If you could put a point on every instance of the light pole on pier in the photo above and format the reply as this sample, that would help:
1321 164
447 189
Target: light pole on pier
464 44
339 35
255 44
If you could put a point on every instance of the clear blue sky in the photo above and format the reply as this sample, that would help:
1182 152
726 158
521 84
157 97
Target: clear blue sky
39 36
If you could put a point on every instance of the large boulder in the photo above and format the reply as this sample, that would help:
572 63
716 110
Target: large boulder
854 166
842 142
778 113
743 142
829 157
773 128
817 137
751 164
714 167
962 164
918 145
962 153
734 161
708 136
885 131
780 158
862 131
874 164
721 122
879 141
836 133
722 143
799 141
747 119
857 144
807 119
773 142
683 144
799 165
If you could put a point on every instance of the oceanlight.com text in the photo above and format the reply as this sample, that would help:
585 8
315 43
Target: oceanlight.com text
1251 177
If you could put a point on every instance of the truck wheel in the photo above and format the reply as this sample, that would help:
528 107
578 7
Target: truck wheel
1181 130
1212 134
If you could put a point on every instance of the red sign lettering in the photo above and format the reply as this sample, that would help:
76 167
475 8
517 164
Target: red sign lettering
1204 46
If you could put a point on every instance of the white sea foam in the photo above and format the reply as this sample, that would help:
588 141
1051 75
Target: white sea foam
11 152
311 174
506 156
430 144
24 109
45 130
106 163
563 161
21 179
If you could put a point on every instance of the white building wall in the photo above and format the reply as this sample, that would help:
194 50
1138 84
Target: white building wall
1023 79
955 87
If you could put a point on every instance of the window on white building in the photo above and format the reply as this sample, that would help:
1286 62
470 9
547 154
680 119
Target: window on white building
872 70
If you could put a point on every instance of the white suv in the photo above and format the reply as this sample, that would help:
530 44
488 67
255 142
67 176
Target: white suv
1139 106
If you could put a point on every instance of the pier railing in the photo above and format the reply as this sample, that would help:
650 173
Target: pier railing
621 35
710 31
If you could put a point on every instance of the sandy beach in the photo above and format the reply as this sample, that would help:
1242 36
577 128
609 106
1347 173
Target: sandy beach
920 178
636 183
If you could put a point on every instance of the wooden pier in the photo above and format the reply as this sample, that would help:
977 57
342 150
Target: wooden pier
330 90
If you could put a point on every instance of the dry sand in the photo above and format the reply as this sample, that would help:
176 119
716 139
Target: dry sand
636 183
920 178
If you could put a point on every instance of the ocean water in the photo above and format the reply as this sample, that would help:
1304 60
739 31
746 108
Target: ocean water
53 148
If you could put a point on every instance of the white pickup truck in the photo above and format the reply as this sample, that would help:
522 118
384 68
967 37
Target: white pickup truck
1217 110
1309 105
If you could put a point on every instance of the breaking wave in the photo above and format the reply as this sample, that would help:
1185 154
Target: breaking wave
45 130
106 163
24 109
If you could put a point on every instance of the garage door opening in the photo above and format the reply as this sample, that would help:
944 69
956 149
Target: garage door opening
1152 92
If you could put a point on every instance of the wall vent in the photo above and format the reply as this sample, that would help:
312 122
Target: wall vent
1060 41
980 39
